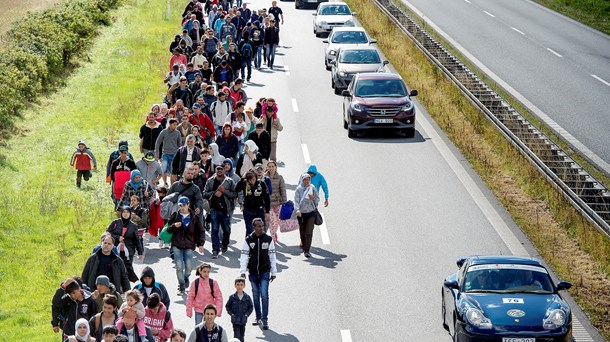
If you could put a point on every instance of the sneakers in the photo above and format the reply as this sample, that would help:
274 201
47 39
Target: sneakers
181 290
186 281
161 244
265 324
223 249
215 255
208 227
307 255
256 322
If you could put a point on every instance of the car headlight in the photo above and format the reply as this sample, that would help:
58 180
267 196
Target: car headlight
358 106
407 107
322 23
342 73
554 319
349 22
332 52
476 318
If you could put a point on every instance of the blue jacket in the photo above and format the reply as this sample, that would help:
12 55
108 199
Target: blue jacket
318 180
239 310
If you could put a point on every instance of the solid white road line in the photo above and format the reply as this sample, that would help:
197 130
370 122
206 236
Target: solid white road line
492 215
324 232
518 31
295 107
554 52
489 14
601 80
346 336
306 154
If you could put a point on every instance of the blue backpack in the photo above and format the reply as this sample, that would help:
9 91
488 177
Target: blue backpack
286 210
246 50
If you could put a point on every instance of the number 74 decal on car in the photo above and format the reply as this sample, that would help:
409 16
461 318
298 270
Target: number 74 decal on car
512 300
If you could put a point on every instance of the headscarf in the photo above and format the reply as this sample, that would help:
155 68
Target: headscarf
84 338
301 185
134 174
217 158
251 146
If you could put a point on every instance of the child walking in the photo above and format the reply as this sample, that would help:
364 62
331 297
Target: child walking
203 291
239 306
133 304
82 159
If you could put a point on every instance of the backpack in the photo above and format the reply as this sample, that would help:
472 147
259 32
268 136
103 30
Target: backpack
168 316
246 50
211 286
169 205
213 108
210 48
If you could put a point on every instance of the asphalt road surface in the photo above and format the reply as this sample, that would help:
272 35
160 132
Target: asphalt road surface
401 212
562 67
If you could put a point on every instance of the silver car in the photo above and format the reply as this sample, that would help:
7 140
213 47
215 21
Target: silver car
354 60
344 37
330 15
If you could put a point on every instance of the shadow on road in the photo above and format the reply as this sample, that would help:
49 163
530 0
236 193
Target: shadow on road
383 136
270 335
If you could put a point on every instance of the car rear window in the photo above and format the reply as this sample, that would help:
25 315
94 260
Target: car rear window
349 37
359 57
380 88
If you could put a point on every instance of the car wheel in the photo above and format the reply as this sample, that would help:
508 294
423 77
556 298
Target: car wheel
444 310
344 123
296 5
332 83
337 90
317 35
409 132
350 132
328 67
455 335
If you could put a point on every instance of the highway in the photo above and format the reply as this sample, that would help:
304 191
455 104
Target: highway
558 67
401 212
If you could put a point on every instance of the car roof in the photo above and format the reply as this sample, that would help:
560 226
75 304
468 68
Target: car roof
359 47
349 29
333 3
379 76
503 259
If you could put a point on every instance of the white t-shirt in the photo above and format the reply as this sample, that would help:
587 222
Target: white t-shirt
244 126
173 78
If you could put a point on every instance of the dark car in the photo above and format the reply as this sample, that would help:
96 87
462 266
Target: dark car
353 60
298 4
505 299
378 101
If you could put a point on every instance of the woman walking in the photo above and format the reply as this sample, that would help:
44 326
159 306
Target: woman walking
278 196
306 203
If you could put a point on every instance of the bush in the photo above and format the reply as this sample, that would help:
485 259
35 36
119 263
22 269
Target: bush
41 46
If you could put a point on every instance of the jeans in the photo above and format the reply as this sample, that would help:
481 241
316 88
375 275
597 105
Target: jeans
220 219
86 174
183 258
198 317
239 331
246 63
270 55
250 215
258 51
260 290
166 163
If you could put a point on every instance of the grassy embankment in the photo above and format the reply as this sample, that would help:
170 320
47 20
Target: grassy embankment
49 226
573 247
595 13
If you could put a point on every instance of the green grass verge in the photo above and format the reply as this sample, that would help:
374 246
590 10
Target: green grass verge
574 248
48 226
595 13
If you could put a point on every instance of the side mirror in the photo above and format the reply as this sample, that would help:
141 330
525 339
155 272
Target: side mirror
325 41
386 62
452 284
314 14
345 93
333 62
563 285
459 262
414 93
354 14
373 41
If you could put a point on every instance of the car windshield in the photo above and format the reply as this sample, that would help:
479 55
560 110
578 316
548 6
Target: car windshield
507 278
359 57
335 10
380 88
349 37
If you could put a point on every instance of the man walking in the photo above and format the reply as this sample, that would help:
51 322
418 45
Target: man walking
219 191
258 258
171 140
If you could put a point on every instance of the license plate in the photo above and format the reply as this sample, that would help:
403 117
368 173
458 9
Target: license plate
511 339
384 121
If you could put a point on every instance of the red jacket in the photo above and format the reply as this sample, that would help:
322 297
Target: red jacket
203 119
156 221
83 160
179 59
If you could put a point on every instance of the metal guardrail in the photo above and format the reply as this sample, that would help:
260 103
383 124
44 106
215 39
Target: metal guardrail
581 189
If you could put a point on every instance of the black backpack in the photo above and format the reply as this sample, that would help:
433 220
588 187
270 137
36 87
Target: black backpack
211 286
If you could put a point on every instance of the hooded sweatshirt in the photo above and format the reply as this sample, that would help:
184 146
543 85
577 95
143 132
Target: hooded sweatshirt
302 202
217 158
244 163
155 287
318 180
161 320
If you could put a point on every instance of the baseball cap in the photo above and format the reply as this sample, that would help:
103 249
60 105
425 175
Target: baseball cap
196 105
123 148
183 200
102 280
259 166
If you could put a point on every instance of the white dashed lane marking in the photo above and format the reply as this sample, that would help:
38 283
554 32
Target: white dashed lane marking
489 14
295 106
306 154
517 30
601 80
554 52
324 231
346 336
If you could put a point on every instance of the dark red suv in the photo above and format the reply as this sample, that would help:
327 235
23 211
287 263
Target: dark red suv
378 101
